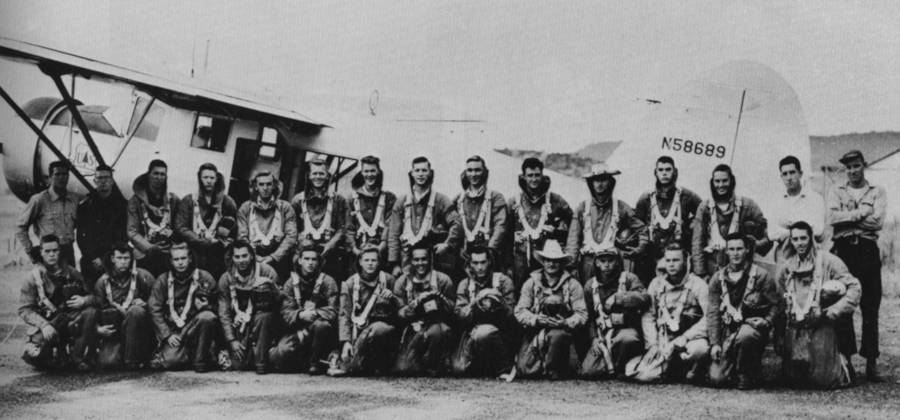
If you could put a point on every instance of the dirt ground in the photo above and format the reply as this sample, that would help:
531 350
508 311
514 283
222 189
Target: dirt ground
25 393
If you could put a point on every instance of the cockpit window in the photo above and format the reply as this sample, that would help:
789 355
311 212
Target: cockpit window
149 127
93 117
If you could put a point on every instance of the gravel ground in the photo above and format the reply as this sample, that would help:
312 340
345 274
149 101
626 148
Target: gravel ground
27 394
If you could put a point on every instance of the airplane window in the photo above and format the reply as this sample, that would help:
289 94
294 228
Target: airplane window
93 117
149 128
211 133
269 140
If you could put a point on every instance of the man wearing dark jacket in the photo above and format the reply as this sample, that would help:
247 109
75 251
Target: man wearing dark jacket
151 218
100 221
207 220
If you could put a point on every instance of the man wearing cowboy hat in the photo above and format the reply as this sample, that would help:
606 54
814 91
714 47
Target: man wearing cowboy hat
674 325
856 211
535 215
743 303
268 223
321 218
423 215
426 309
602 221
206 220
819 292
615 301
309 310
370 209
484 309
249 306
551 309
367 319
482 212
725 212
668 211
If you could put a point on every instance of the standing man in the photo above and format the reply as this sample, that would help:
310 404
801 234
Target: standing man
535 215
721 215
423 215
551 309
321 218
51 212
310 311
370 209
367 320
796 204
819 294
60 312
268 224
101 221
151 218
426 299
183 306
485 301
675 323
249 306
666 221
603 222
207 220
482 212
743 302
124 324
856 212
615 300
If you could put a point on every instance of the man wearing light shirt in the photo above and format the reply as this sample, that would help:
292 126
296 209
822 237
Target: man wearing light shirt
796 204
856 212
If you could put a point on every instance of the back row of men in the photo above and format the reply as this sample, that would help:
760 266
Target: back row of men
478 218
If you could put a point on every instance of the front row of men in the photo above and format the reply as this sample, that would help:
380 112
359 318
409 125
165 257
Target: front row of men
678 329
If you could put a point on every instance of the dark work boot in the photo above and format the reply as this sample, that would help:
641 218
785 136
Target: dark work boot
872 371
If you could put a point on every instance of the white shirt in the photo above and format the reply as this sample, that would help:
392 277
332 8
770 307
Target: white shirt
808 206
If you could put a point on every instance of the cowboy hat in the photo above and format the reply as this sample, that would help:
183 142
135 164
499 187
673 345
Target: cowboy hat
552 251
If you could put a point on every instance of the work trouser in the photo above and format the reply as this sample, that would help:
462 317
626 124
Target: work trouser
741 355
197 338
258 338
547 352
76 340
624 344
302 349
426 351
482 351
694 356
522 267
373 350
132 343
90 273
863 260
156 262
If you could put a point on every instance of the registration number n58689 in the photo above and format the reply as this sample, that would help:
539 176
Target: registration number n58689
698 148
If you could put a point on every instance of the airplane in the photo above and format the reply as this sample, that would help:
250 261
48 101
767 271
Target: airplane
187 123
742 113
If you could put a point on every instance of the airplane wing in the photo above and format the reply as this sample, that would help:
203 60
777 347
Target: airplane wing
183 93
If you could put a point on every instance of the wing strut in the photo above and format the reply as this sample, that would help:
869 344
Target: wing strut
76 115
136 126
24 117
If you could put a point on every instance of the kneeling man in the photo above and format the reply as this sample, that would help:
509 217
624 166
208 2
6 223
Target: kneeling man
675 324
551 309
367 319
125 327
309 309
484 307
743 301
818 291
426 298
183 306
60 312
249 305
615 300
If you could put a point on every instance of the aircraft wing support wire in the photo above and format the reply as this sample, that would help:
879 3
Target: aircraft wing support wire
737 127
76 115
24 117
132 133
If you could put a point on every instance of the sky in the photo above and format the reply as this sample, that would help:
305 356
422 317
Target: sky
548 75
